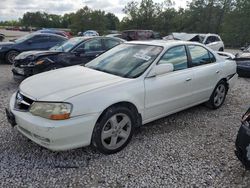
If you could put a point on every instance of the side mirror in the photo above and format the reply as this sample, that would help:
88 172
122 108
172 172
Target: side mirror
161 69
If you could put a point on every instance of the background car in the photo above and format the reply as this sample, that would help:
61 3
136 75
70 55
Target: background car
56 32
115 35
211 40
78 50
34 41
131 35
243 62
102 102
242 142
88 33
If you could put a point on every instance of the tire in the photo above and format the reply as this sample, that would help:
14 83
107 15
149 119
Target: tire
10 56
218 96
109 129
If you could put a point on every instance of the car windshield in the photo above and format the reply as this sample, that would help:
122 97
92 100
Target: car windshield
67 45
126 60
24 38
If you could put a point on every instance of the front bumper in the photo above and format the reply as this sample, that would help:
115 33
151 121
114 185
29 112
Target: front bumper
22 73
55 135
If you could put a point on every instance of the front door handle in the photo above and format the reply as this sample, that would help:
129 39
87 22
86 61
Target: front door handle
188 79
217 72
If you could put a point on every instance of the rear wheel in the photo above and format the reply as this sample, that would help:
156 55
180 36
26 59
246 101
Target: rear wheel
218 96
10 56
114 130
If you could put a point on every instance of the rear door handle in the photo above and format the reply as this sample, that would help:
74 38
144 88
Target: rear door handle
188 79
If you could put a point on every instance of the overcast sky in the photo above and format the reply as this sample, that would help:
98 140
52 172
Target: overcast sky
14 9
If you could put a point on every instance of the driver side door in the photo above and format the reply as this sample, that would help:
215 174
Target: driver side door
170 92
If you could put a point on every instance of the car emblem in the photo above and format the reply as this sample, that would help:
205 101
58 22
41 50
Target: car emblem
19 99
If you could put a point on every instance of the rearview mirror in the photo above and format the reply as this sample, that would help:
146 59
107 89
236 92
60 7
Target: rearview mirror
161 69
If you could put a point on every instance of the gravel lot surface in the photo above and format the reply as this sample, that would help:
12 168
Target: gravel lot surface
193 148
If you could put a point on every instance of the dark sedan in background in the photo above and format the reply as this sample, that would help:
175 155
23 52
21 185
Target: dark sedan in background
34 41
243 62
78 50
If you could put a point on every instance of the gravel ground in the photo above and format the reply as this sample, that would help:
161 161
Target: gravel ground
193 148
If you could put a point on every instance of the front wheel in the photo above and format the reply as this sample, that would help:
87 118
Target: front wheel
10 56
218 96
114 130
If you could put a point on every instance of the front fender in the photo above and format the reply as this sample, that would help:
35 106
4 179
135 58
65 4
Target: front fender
98 100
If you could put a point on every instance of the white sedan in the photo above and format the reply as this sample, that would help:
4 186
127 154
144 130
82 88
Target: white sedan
102 102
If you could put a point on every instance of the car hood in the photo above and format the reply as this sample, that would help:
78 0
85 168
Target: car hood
61 84
6 44
35 54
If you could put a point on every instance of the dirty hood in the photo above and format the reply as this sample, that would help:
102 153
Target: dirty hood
61 84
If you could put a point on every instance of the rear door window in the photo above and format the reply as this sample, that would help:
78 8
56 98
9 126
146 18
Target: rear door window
200 55
93 45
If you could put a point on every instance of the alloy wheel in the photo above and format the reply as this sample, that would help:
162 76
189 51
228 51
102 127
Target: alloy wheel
219 95
116 131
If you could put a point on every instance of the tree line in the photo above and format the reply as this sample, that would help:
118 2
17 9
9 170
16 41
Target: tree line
229 18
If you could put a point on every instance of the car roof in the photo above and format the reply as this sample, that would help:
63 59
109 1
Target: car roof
163 43
103 37
48 34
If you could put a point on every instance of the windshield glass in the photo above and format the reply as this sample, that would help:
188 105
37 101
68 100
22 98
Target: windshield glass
67 45
126 60
24 38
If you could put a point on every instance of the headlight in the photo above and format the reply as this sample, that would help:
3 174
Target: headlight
53 111
39 62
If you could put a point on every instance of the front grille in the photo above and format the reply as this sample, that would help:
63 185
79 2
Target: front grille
22 102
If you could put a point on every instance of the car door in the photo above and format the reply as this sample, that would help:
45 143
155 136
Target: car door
206 72
87 51
170 92
38 42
